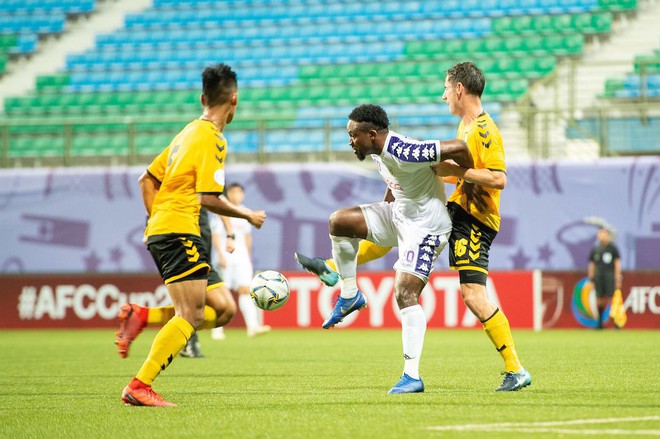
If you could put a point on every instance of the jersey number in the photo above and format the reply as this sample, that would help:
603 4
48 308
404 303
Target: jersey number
172 154
460 247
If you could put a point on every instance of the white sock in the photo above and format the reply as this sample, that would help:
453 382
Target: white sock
218 332
344 252
413 325
249 311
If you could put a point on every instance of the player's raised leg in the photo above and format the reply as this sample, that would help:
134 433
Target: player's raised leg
326 269
318 267
347 227
133 318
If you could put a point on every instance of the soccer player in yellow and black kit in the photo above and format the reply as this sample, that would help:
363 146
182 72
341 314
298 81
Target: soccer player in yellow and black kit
474 208
193 178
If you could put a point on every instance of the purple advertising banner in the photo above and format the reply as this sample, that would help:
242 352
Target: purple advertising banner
85 220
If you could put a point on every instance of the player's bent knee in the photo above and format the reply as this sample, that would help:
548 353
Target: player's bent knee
347 222
337 223
226 316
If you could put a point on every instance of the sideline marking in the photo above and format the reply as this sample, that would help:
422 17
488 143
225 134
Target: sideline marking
542 427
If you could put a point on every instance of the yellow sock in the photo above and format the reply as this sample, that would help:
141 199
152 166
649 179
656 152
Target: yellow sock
210 319
367 252
160 316
163 315
498 330
168 343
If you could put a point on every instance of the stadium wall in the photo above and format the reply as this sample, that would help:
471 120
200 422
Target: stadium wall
91 220
531 299
93 300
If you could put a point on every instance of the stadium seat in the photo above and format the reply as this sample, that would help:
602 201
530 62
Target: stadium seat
293 58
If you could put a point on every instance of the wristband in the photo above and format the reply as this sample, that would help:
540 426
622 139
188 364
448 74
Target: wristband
231 236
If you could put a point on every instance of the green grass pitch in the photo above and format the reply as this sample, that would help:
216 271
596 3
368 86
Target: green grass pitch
333 384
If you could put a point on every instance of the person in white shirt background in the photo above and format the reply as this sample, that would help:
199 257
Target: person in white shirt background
233 253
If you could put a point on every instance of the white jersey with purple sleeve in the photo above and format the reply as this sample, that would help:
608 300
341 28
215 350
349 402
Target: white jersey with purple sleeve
405 165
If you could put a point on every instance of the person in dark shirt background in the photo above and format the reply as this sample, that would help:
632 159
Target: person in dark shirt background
604 271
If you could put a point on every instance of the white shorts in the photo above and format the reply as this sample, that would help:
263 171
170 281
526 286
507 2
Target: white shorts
238 273
418 247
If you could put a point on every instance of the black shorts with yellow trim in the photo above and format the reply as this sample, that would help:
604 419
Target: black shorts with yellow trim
469 244
179 257
214 279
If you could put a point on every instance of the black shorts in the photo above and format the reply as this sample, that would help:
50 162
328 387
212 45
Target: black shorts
469 244
604 286
179 257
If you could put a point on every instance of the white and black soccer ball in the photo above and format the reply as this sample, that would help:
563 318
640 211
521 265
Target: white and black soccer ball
269 290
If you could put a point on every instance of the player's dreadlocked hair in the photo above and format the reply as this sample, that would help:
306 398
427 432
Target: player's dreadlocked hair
219 83
372 116
470 76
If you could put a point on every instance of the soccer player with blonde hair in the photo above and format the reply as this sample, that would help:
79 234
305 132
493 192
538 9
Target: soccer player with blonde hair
474 209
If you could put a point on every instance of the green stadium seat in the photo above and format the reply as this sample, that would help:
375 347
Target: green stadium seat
561 23
20 147
451 47
519 48
541 24
18 128
647 63
8 40
310 72
470 46
52 82
612 85
99 145
406 70
597 23
502 25
502 66
311 94
568 45
429 49
617 5
37 146
151 144
100 127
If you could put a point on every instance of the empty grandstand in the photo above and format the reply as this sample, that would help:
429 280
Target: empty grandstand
303 64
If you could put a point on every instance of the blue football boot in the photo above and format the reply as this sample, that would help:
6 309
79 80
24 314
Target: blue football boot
344 307
408 385
515 381
318 267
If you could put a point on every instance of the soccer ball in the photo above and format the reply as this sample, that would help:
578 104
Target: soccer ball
269 290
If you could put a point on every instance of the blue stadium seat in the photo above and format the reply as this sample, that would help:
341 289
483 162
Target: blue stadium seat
34 23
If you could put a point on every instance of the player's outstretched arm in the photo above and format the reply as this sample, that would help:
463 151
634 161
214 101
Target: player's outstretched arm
482 177
456 150
222 206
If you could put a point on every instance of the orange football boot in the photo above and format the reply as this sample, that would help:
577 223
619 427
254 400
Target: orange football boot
132 320
139 394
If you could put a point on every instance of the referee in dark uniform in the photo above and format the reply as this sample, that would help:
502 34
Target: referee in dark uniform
604 271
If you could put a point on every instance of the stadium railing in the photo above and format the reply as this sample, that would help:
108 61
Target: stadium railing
117 140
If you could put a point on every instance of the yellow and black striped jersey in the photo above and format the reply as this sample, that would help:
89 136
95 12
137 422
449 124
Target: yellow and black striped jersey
485 143
193 163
